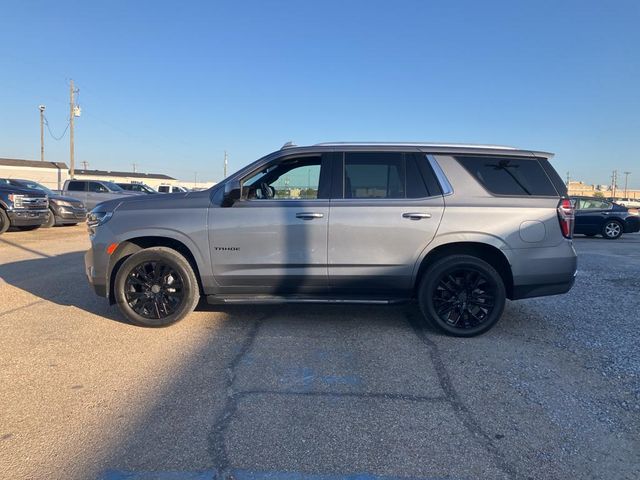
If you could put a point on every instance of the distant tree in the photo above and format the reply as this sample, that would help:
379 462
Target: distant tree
599 194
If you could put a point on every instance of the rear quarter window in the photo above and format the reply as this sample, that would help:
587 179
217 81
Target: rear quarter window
510 176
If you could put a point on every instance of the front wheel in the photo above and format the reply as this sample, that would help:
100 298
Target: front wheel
612 230
51 220
462 295
156 287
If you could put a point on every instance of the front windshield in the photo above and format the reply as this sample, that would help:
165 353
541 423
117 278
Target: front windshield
37 186
113 187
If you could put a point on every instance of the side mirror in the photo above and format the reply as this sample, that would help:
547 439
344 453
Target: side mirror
232 193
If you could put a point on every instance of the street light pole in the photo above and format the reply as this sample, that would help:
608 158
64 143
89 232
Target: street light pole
42 107
626 177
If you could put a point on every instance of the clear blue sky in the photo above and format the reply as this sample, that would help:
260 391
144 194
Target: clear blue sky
171 85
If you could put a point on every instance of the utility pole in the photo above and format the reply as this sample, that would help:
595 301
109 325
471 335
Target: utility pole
195 179
225 164
72 112
42 107
134 167
568 179
614 181
85 165
626 177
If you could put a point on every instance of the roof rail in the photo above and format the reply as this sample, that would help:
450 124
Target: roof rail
417 144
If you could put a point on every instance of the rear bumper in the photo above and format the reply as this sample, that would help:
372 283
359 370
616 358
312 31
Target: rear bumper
539 272
27 218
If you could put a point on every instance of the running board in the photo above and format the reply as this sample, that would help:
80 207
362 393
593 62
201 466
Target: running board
272 299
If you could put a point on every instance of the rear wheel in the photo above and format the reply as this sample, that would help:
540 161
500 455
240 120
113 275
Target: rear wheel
612 230
156 287
462 295
5 223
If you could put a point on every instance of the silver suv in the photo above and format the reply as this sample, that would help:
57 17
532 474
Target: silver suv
460 228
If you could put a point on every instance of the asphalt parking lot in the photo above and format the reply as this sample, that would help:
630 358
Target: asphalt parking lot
314 392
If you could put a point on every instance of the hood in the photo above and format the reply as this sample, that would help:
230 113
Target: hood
64 198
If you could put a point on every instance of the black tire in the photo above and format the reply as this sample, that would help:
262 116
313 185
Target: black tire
51 220
612 230
156 287
462 295
28 228
5 223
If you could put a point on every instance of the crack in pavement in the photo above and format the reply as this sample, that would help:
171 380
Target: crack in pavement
460 410
217 445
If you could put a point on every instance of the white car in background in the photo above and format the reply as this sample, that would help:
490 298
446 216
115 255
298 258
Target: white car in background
629 202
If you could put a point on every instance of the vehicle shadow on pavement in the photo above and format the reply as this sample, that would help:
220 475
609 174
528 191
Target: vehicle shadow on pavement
59 279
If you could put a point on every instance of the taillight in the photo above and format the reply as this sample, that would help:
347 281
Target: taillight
566 217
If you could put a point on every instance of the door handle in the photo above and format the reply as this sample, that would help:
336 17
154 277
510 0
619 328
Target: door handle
416 215
309 215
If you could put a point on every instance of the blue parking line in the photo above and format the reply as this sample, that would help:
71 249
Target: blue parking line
238 474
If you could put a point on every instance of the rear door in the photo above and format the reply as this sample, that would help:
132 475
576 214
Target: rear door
385 209
78 189
591 214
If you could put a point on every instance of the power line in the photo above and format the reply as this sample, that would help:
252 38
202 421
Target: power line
46 122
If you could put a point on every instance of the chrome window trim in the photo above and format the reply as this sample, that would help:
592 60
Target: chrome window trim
446 187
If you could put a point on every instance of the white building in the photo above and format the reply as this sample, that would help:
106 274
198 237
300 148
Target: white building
50 174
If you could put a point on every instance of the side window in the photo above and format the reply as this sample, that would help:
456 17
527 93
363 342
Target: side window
593 204
290 179
97 187
510 176
75 186
374 175
163 189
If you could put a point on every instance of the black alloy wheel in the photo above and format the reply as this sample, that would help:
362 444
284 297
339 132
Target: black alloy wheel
464 298
462 295
5 223
154 290
156 287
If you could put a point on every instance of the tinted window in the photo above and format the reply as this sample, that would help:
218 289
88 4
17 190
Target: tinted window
510 176
76 186
96 187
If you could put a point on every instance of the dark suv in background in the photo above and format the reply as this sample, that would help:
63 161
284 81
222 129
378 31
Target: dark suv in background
22 208
62 210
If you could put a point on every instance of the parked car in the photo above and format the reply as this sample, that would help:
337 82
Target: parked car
22 208
62 210
171 189
629 202
137 187
92 192
459 228
595 216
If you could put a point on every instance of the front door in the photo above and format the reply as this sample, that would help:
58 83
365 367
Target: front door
274 239
383 214
591 214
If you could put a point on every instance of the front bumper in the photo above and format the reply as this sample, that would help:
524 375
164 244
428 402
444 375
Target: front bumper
27 218
96 280
71 214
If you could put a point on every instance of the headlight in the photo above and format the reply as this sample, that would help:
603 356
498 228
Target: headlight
16 200
62 203
97 218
